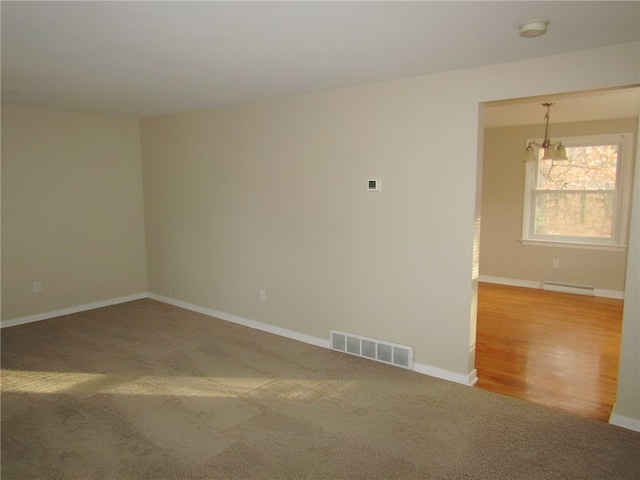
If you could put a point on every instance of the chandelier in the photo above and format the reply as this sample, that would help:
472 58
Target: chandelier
552 151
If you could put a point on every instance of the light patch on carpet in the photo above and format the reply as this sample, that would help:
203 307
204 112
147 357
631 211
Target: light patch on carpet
303 390
43 382
86 384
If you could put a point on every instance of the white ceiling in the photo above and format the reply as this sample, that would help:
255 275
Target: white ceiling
153 58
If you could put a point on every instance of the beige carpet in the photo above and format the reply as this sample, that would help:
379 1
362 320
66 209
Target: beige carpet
147 390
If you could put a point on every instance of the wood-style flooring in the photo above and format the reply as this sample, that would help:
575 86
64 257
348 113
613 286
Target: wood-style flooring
555 349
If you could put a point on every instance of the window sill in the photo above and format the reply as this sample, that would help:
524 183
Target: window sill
569 244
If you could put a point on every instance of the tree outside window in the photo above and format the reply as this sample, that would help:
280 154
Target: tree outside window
581 200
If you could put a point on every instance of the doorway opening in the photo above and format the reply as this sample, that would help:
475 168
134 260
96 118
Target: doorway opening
556 349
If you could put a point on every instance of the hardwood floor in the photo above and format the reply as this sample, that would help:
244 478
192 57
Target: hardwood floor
556 349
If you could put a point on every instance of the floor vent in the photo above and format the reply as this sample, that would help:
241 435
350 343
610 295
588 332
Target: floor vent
569 288
379 350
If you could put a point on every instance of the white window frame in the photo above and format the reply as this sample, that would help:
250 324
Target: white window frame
624 177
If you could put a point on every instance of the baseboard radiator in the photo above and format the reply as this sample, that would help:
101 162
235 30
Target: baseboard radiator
371 348
569 288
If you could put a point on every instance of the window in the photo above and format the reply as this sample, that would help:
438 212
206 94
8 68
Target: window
583 201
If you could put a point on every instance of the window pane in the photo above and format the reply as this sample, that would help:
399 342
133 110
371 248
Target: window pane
588 168
575 214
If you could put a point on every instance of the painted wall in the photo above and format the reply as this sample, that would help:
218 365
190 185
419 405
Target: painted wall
626 411
501 252
72 209
272 195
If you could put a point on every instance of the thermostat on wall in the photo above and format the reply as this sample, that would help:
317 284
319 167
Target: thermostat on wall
373 185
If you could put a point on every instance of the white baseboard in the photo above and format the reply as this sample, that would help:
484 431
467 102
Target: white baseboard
600 292
319 342
67 311
437 372
265 327
513 282
510 281
625 422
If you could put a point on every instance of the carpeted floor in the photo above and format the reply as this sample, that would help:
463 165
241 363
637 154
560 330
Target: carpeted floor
147 390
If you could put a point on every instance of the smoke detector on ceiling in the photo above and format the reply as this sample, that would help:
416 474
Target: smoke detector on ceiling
534 27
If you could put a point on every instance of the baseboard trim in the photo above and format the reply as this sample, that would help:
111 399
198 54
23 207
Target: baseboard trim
625 422
443 374
513 282
600 292
265 327
67 311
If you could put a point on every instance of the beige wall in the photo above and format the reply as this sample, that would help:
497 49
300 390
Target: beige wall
72 210
501 252
272 195
626 411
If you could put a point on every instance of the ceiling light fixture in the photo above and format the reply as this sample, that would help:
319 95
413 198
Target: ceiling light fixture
534 27
552 151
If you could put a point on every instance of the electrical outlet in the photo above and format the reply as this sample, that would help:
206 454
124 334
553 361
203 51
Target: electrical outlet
555 263
263 295
37 287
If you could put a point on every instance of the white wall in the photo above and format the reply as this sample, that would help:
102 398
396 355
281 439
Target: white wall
272 195
72 210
